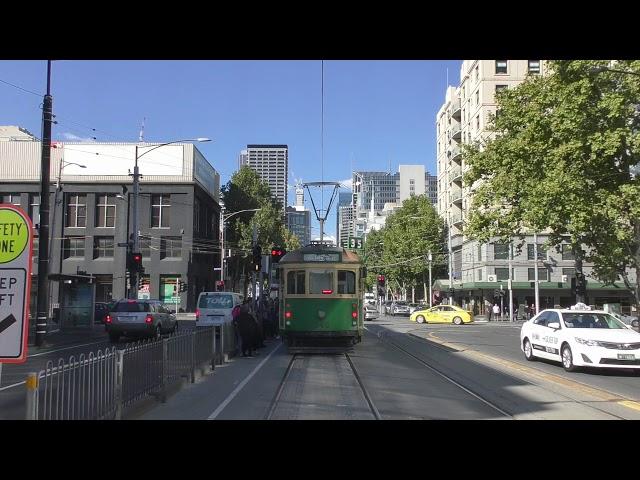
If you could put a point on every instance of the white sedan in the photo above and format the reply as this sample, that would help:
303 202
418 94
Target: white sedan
581 338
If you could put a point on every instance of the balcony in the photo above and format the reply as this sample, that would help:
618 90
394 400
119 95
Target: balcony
455 153
456 197
456 218
456 131
455 175
456 107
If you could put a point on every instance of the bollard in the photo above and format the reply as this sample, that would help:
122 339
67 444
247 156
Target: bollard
119 382
222 349
32 384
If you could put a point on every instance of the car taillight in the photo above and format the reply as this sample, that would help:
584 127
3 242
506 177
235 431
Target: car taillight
197 314
107 319
148 319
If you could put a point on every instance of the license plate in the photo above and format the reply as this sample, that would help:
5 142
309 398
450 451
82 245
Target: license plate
626 356
126 319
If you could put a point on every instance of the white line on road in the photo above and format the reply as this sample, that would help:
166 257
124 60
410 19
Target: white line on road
239 387
66 348
11 386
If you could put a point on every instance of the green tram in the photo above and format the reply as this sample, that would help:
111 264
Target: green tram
321 298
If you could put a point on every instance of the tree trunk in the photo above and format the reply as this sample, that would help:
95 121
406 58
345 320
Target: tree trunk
424 285
578 255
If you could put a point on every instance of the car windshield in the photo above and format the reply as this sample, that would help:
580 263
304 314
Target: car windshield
216 301
592 320
131 306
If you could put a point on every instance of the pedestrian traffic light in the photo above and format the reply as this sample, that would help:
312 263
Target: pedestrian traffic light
277 253
381 280
183 287
257 258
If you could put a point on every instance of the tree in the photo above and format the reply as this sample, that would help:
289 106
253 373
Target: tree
562 160
400 249
245 190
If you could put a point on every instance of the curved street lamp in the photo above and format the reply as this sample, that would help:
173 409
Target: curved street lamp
133 293
223 219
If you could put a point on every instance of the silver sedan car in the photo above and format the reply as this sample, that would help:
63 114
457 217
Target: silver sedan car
139 318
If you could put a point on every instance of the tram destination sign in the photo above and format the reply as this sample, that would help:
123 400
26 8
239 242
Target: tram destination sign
321 257
16 237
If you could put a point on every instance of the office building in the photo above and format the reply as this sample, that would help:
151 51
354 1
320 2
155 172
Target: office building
271 163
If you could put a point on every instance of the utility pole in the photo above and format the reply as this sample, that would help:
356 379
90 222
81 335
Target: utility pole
253 273
43 233
221 245
510 281
450 262
535 271
133 292
430 294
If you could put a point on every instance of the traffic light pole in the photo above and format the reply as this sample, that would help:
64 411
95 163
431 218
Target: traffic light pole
535 272
430 293
133 292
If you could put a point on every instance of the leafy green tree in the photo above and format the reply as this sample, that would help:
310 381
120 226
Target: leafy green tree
399 250
563 159
245 190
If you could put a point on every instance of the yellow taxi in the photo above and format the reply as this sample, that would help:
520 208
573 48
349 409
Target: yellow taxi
442 314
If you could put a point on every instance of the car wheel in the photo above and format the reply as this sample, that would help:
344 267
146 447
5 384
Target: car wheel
528 350
158 333
457 320
114 337
420 319
634 323
567 359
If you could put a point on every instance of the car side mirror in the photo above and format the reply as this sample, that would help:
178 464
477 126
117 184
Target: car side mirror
554 325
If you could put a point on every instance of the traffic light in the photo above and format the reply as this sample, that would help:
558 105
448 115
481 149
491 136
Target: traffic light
183 287
277 253
579 285
257 258
134 262
381 280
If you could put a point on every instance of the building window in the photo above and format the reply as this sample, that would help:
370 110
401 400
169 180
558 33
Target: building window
543 274
479 252
502 274
477 97
534 67
106 211
34 208
570 272
501 251
477 73
478 122
73 247
170 247
479 275
567 252
11 198
104 288
103 247
36 249
501 87
76 211
501 66
542 255
160 211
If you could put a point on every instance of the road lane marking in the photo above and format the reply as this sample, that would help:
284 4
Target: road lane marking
550 377
235 392
14 385
66 348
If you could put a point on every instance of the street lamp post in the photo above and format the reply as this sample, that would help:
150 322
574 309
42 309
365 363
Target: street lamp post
223 219
133 292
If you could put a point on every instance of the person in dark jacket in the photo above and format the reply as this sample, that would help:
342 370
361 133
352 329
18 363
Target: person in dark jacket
248 329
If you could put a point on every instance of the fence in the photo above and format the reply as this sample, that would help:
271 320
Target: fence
100 386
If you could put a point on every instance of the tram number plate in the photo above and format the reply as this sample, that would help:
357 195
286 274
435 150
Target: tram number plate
626 356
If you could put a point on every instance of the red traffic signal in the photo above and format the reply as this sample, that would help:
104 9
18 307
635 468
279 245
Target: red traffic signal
137 257
381 278
277 253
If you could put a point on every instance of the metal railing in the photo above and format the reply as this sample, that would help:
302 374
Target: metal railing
100 386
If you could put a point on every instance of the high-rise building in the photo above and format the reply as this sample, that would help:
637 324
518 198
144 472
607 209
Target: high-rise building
344 200
299 223
480 270
271 163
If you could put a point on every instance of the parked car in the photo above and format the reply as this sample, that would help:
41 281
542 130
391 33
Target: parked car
580 337
400 308
442 314
101 310
214 308
370 311
414 306
139 318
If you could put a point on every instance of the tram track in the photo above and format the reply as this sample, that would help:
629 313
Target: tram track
358 380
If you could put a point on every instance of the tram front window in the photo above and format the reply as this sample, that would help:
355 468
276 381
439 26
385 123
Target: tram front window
321 282
346 282
295 282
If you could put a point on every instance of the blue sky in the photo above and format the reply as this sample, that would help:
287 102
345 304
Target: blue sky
376 113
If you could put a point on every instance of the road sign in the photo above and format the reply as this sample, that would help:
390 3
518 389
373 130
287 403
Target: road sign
16 240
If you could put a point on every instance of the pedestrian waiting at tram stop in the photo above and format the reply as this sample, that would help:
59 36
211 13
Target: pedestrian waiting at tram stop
247 327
